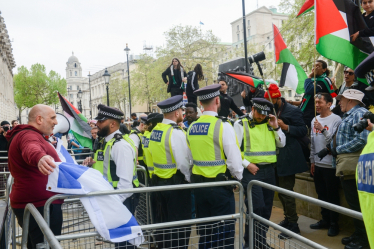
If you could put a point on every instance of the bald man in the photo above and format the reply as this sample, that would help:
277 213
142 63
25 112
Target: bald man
31 160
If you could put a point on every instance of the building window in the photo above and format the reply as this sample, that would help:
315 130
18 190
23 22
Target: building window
237 36
76 74
268 38
249 32
270 45
71 96
237 27
249 23
71 87
236 46
75 64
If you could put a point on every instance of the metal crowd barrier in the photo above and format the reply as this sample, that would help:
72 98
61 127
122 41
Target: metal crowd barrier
257 223
85 236
48 234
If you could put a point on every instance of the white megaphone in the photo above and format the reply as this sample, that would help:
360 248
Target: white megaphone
63 125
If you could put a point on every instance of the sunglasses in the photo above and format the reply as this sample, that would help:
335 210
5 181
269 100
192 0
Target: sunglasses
318 96
350 73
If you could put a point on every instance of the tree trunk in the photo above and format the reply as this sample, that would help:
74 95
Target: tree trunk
20 115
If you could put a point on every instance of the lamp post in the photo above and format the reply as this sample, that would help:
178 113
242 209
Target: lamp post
89 86
245 40
128 74
106 76
79 96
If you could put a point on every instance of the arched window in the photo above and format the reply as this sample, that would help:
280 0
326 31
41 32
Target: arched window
75 64
76 74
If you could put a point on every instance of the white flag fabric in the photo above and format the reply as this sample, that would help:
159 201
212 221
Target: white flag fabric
111 218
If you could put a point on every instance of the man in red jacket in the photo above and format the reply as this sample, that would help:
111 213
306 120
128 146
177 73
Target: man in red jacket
31 160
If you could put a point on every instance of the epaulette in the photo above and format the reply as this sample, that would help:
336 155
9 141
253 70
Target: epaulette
175 126
224 119
118 136
270 128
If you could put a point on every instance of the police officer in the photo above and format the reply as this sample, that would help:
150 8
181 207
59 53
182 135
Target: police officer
136 135
170 158
151 121
259 134
216 157
116 157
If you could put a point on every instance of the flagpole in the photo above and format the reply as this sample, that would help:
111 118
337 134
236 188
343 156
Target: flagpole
314 70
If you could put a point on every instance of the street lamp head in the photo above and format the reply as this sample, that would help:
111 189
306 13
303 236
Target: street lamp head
106 76
127 49
80 93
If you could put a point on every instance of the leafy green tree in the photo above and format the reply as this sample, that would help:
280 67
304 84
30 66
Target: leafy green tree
150 88
34 86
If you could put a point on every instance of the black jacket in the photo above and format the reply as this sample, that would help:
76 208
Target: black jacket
177 77
227 103
291 158
369 31
259 93
3 147
192 83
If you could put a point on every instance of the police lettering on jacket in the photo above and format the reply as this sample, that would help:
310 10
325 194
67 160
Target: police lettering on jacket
199 129
365 170
145 142
156 136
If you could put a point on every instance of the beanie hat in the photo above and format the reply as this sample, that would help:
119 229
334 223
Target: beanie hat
5 123
274 92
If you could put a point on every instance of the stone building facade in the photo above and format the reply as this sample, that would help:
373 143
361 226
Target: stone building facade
7 63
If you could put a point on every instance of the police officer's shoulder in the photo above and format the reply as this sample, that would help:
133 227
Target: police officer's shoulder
224 119
118 136
177 127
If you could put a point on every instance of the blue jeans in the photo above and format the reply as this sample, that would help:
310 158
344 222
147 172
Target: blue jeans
262 199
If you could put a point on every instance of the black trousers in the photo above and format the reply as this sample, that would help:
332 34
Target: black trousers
192 99
173 206
262 200
351 195
131 203
35 234
210 202
175 91
327 188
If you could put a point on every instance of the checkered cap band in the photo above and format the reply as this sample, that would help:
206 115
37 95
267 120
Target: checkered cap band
262 107
172 108
370 76
209 95
108 114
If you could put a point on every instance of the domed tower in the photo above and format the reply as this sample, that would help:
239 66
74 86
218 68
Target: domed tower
73 67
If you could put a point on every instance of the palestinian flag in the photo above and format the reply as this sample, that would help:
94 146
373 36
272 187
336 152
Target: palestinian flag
307 6
335 22
244 78
293 75
78 123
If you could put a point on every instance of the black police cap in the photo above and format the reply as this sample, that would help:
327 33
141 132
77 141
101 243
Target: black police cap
171 104
106 112
155 117
366 69
263 106
208 92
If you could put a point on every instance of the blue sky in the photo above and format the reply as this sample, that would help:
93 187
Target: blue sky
47 31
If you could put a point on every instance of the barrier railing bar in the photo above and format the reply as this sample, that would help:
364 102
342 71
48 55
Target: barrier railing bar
155 189
48 234
159 225
252 216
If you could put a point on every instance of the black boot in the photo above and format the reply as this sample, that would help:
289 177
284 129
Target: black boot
359 243
293 227
333 229
320 225
347 240
284 223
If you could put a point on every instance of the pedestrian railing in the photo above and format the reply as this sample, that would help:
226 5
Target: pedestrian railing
47 232
164 235
258 224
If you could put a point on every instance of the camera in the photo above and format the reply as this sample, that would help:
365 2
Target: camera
257 57
5 128
360 126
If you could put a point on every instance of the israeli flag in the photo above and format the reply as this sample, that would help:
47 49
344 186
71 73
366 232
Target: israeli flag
111 218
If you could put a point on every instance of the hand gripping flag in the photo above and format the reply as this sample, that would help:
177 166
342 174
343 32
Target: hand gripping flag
335 22
78 123
293 75
111 218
